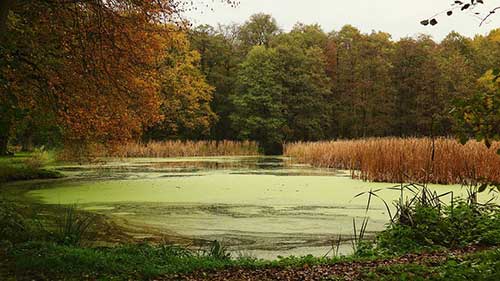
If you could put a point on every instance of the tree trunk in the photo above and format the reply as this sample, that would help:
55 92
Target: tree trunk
6 122
4 139
5 6
27 143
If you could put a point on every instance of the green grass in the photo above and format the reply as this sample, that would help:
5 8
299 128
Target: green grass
137 259
431 228
131 261
9 173
37 260
15 160
15 168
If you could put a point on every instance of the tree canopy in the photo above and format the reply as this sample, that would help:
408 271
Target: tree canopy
114 71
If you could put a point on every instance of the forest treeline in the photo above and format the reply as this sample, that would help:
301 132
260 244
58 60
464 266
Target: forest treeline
113 80
307 84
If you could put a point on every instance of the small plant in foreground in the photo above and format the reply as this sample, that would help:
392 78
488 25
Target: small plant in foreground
218 250
72 227
358 241
335 248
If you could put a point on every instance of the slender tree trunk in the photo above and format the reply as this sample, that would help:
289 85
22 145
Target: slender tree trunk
5 6
27 143
5 121
4 139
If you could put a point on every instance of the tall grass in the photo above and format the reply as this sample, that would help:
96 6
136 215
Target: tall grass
164 149
443 160
186 149
73 227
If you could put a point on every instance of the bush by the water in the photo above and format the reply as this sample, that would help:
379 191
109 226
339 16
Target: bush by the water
23 173
399 160
37 159
26 167
423 221
452 227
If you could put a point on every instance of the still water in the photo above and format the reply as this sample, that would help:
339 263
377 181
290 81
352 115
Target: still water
260 206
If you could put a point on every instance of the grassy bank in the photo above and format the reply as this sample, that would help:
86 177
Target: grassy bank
145 262
9 173
26 166
138 261
404 160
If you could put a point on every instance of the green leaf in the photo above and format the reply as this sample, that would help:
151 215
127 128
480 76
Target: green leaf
483 187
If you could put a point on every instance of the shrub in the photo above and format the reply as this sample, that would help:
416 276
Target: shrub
18 224
218 250
10 173
73 227
455 226
38 158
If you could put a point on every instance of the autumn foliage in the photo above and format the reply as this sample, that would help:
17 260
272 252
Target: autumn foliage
404 159
97 68
185 94
85 73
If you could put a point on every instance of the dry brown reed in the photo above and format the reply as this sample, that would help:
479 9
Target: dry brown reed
404 160
185 149
94 152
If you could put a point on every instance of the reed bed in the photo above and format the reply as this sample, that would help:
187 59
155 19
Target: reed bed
185 149
404 160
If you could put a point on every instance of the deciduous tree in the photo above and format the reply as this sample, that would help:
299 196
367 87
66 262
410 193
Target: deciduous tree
259 109
185 94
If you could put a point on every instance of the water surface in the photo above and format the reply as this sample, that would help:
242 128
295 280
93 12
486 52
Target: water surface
260 206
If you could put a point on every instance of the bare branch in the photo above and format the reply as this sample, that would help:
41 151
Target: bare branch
489 15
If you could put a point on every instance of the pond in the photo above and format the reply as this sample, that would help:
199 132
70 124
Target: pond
260 206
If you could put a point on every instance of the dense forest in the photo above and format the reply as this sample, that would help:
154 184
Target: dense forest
309 85
249 81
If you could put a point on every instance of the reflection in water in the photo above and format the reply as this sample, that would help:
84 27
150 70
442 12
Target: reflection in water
264 206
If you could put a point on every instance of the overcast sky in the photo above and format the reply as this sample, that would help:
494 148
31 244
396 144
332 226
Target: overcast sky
398 17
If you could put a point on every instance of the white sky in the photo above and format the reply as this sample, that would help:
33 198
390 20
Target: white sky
400 18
